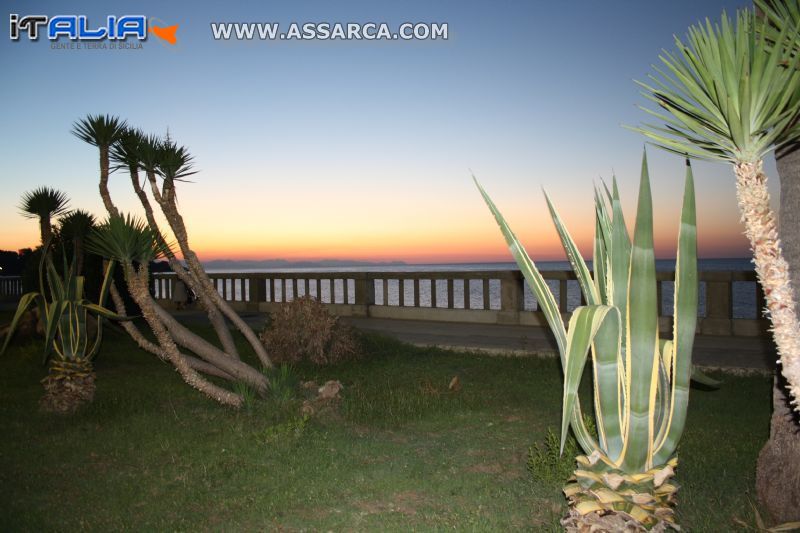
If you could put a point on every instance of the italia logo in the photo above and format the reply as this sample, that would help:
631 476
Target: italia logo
77 28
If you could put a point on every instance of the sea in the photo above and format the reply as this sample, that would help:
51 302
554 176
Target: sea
744 293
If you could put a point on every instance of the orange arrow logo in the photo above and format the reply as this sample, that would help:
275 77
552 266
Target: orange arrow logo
166 32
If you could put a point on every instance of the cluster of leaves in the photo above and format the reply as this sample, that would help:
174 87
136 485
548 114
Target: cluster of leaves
304 331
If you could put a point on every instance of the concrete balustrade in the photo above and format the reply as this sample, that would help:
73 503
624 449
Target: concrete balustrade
433 296
10 288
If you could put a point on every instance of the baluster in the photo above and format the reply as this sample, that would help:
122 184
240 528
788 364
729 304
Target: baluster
450 294
416 302
486 293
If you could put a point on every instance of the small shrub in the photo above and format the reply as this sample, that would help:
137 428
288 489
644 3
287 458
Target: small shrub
303 330
248 394
285 431
283 384
547 465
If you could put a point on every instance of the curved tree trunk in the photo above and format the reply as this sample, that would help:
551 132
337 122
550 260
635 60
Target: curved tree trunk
772 269
186 276
175 220
212 360
778 470
138 285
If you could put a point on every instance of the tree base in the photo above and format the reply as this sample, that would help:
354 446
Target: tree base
778 467
67 387
609 522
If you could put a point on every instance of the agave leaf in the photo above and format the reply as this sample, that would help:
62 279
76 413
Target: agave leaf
642 336
24 302
685 322
52 321
574 256
105 312
698 376
547 301
583 326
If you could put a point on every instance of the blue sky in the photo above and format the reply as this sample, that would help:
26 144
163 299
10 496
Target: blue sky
362 149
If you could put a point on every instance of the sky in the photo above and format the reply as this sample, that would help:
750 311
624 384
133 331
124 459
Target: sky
363 149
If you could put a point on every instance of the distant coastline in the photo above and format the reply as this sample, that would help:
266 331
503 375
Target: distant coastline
250 264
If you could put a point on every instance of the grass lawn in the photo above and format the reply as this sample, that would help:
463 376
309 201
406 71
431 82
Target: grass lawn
400 452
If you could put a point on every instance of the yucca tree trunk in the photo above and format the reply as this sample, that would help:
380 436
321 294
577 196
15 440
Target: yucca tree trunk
104 194
212 360
167 202
187 276
45 230
771 267
778 471
140 291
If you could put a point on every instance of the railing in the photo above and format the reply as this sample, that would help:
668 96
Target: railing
10 288
730 302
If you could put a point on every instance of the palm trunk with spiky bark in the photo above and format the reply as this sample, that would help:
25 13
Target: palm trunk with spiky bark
166 199
140 291
187 276
772 269
778 470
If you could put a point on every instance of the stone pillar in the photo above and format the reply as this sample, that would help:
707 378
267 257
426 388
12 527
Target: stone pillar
512 298
719 304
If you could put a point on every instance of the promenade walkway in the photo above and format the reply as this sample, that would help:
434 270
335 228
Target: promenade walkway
747 353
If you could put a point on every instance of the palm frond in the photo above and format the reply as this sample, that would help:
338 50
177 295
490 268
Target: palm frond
726 94
126 239
76 224
99 130
44 202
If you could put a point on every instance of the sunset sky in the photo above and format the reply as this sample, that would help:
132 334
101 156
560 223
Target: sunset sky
363 149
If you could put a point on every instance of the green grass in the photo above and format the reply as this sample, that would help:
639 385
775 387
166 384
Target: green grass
400 453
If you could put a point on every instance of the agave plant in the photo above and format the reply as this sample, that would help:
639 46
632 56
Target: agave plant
641 382
730 95
71 343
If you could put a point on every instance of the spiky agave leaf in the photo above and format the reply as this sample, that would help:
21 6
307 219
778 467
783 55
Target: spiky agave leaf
99 130
44 202
126 239
724 95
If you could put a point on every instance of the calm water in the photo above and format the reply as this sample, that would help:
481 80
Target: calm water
743 292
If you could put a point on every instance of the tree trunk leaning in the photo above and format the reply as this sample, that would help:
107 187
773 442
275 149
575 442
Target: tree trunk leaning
778 468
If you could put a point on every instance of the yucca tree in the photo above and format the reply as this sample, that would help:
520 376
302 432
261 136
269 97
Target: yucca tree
44 203
75 226
169 163
136 151
729 95
101 131
133 244
641 382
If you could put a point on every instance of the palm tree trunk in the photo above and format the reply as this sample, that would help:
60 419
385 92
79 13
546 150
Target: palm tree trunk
778 469
138 284
45 230
217 321
175 220
212 360
104 194
771 268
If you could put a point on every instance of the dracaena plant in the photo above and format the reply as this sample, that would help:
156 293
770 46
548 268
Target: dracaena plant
731 93
641 382
71 341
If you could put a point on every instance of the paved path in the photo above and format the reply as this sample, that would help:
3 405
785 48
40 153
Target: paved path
752 353
749 353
